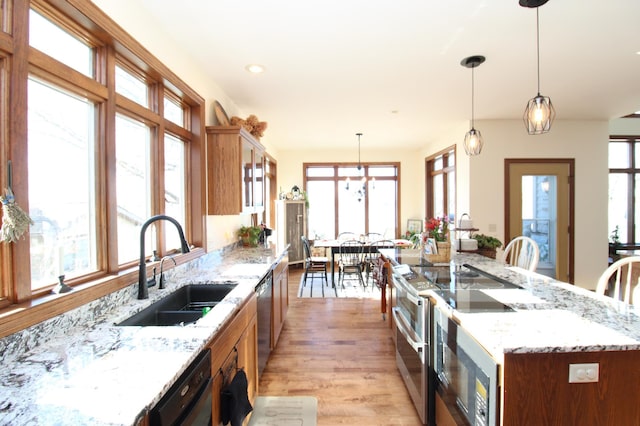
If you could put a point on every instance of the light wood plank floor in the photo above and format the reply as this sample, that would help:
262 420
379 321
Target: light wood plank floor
341 352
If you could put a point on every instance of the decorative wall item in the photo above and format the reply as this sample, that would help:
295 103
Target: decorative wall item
251 124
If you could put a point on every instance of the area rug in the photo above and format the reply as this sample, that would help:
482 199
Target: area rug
285 411
352 288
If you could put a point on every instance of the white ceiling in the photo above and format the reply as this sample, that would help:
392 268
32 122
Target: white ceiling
337 67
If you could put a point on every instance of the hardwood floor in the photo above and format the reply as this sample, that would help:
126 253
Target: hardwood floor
341 352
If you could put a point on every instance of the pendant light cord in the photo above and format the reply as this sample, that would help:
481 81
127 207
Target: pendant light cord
538 44
472 97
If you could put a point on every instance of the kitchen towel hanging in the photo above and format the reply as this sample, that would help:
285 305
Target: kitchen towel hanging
234 400
15 221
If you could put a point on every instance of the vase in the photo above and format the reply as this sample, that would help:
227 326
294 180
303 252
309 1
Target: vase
444 250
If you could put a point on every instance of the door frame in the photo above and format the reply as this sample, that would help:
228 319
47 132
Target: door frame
570 163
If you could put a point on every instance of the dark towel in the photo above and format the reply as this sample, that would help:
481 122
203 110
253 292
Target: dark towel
234 401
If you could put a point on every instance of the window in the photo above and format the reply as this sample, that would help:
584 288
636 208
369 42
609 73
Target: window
441 184
87 166
61 158
366 202
624 188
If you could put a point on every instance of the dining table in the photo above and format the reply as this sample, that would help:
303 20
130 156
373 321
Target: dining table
333 245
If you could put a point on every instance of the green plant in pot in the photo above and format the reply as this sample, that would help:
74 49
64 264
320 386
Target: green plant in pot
249 235
487 245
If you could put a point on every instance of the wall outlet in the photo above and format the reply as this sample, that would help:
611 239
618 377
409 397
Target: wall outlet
584 373
493 227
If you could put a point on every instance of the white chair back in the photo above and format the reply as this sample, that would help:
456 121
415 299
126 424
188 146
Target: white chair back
626 273
522 252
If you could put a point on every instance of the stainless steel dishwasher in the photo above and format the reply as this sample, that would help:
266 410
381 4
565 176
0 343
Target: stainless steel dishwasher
264 292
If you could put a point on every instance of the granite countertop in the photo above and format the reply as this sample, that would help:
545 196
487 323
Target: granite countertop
90 371
548 315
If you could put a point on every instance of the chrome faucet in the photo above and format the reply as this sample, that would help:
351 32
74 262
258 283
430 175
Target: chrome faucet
161 286
143 291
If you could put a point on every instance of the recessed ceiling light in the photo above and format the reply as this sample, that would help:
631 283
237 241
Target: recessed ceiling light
254 68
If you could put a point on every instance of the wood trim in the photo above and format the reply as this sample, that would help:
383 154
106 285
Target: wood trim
570 162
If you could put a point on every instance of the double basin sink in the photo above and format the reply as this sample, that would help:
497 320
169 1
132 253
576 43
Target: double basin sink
184 306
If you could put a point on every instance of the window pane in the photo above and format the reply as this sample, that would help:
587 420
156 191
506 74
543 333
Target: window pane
61 184
382 208
131 86
49 38
438 195
321 196
351 171
320 171
350 208
174 191
381 171
173 111
451 196
618 205
133 185
619 155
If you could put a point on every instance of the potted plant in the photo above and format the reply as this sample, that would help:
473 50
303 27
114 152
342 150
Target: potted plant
487 245
249 235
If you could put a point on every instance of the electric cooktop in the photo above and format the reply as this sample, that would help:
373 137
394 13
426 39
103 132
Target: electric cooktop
460 287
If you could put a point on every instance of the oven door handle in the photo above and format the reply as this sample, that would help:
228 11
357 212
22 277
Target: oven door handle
416 300
410 336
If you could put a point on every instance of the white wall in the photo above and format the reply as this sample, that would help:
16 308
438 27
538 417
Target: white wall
586 142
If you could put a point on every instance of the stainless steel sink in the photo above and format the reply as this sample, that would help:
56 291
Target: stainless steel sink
184 306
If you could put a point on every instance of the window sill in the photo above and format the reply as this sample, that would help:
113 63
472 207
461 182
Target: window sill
17 317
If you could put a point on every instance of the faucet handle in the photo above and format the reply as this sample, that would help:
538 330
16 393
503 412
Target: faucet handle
152 281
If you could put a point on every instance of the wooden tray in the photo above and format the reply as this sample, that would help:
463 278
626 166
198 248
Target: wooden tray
221 115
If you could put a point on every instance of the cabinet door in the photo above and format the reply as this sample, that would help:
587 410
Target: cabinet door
247 176
296 221
248 357
258 190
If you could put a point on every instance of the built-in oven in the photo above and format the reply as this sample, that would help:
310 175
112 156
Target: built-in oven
413 349
467 384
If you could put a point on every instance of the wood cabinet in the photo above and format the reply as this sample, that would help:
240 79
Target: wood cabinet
291 225
537 391
234 347
235 171
280 299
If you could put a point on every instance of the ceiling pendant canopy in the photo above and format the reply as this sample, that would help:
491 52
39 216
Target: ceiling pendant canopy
473 141
539 112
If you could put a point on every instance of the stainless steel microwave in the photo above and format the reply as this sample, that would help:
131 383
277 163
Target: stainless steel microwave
466 374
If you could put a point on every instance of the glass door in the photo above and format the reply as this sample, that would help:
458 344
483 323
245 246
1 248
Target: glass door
539 200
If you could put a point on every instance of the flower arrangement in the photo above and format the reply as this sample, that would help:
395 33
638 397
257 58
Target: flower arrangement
438 228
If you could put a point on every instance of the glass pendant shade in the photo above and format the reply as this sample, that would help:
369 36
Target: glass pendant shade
473 142
539 115
472 139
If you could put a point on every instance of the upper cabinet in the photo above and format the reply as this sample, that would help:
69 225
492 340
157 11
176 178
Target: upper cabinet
235 171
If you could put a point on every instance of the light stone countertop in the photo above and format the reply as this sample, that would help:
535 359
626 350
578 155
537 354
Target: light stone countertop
83 369
548 316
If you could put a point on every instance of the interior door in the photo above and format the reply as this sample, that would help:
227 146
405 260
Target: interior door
539 200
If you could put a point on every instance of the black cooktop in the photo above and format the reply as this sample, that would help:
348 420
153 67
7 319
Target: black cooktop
472 301
460 287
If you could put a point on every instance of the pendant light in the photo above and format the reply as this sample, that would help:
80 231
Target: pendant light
539 113
472 139
361 190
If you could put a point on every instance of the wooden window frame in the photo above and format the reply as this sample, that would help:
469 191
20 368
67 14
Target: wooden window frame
337 180
20 307
430 173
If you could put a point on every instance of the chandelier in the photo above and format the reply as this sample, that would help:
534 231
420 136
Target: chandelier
360 189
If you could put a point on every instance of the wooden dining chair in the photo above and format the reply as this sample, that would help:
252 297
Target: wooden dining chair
350 260
313 265
620 280
522 252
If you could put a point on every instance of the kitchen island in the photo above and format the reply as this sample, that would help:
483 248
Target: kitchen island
84 369
546 330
